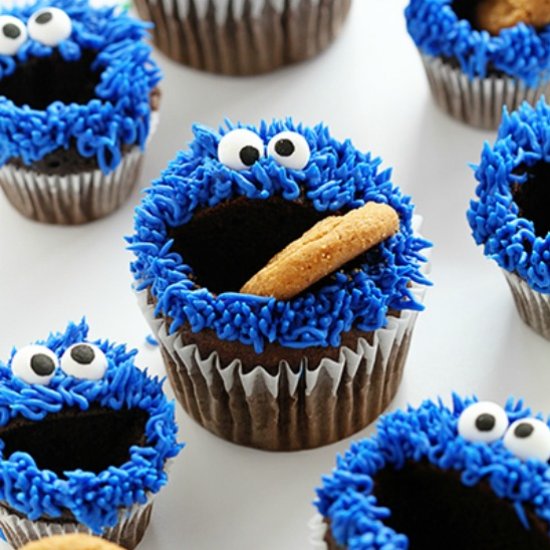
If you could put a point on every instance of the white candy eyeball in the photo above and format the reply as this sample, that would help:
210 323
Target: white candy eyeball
290 149
35 364
529 438
13 34
240 149
84 361
50 26
483 421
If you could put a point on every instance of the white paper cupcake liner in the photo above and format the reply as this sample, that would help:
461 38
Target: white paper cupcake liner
533 307
70 199
479 101
317 531
242 37
127 533
288 410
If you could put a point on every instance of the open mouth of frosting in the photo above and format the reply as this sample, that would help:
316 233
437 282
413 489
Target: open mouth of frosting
41 81
90 440
435 510
533 197
227 244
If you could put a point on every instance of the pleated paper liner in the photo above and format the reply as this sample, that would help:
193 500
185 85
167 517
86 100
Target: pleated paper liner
479 101
74 198
128 533
243 37
288 410
533 307
320 537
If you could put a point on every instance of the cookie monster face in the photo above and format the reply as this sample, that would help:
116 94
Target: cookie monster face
472 476
82 430
240 195
73 76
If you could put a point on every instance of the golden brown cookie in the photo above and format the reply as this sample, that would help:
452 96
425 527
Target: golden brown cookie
322 249
495 15
78 541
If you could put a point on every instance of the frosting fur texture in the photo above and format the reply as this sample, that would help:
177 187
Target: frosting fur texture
520 51
428 433
337 176
93 499
120 113
510 240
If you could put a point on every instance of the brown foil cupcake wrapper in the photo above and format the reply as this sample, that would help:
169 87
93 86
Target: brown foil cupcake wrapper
127 533
70 199
533 306
288 410
479 101
243 37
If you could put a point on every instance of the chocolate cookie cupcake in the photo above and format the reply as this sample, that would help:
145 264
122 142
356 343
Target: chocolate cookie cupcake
85 438
245 37
473 74
510 217
77 92
474 475
275 373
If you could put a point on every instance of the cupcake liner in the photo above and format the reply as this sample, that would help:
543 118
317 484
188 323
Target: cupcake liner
74 198
288 410
479 101
243 37
317 532
533 307
127 533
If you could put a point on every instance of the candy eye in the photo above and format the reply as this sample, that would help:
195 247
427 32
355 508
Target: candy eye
483 421
240 149
50 26
13 34
84 361
34 364
529 438
290 149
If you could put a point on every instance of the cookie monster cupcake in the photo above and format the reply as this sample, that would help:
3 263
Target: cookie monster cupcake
474 475
279 271
482 55
77 93
510 217
85 438
245 37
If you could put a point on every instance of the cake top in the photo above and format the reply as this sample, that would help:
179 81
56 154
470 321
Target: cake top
510 217
471 472
73 76
239 195
81 429
438 29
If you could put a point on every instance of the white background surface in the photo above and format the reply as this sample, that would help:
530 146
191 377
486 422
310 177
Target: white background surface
369 86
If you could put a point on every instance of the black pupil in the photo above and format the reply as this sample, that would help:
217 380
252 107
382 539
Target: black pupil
42 365
249 155
83 354
284 147
11 31
523 430
44 18
485 422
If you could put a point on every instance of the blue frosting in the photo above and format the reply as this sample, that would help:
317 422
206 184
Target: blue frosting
338 176
120 113
510 240
520 51
430 434
93 499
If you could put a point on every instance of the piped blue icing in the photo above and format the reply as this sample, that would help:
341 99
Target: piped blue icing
120 113
93 499
428 433
520 51
338 176
510 240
